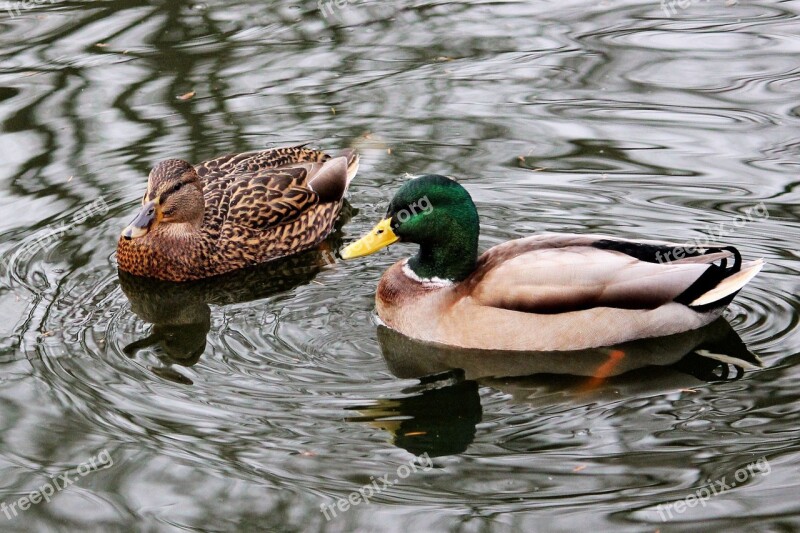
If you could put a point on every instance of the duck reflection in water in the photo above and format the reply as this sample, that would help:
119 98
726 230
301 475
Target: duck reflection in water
440 414
180 312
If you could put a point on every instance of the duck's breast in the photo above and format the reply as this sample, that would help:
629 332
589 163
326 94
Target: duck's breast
410 305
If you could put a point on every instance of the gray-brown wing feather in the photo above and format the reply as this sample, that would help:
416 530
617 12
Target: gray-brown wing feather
562 273
258 189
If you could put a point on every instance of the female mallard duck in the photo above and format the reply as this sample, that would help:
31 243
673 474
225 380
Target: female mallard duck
541 293
234 211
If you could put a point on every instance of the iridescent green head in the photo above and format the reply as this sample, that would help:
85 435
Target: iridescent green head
438 214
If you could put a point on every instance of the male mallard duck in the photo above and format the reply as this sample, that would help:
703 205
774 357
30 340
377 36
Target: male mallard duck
234 211
540 293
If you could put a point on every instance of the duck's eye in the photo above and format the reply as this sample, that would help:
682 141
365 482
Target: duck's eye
177 187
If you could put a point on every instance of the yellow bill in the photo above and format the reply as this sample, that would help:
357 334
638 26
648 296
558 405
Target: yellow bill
381 236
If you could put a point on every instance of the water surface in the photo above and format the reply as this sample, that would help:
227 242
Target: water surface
249 403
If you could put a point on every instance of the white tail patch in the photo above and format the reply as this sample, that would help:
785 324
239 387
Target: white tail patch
730 285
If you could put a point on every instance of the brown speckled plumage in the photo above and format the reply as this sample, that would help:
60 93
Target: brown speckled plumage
235 211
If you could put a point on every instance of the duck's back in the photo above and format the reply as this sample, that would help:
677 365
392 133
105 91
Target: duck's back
245 187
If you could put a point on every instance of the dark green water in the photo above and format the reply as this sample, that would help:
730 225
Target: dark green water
249 403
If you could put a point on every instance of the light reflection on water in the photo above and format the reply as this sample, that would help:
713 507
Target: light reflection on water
247 403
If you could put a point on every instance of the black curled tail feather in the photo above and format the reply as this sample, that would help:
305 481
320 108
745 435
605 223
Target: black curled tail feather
712 277
737 258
